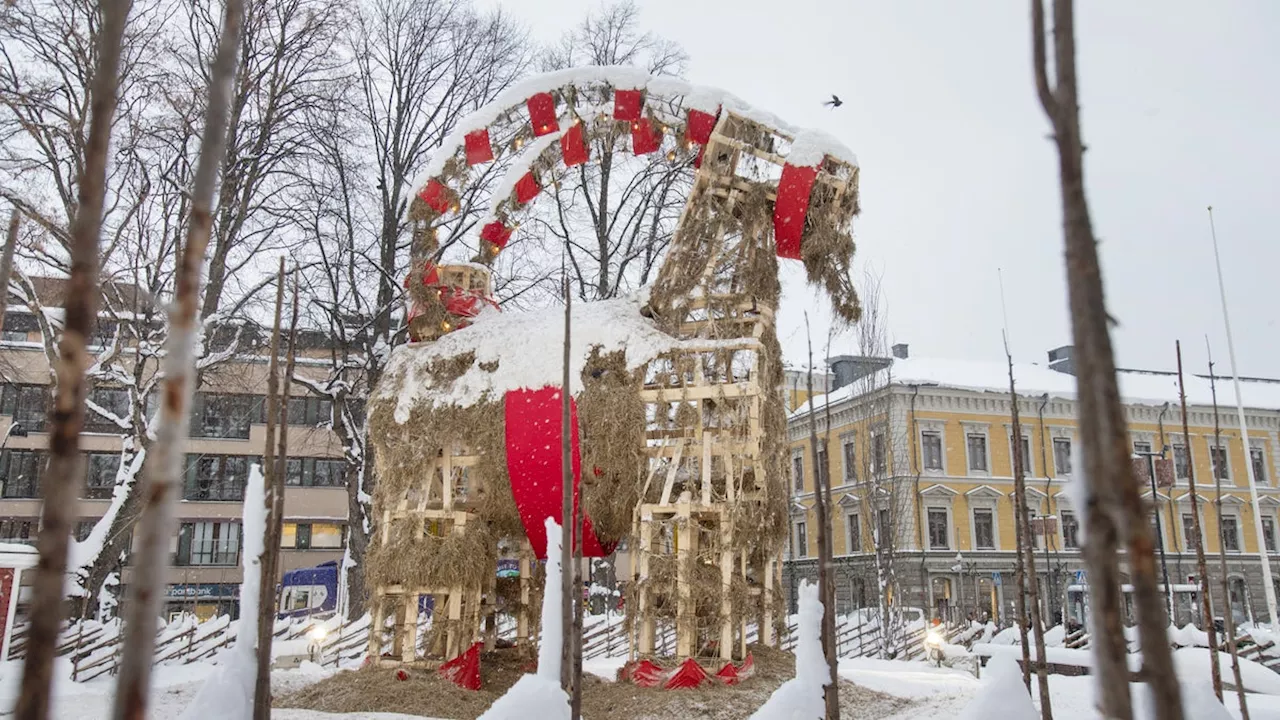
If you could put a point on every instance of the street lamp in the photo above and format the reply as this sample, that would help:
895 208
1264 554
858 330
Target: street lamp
1155 501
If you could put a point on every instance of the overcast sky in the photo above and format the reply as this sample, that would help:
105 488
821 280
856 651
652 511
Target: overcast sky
1180 110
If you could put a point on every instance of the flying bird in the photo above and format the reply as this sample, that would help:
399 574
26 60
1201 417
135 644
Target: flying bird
834 102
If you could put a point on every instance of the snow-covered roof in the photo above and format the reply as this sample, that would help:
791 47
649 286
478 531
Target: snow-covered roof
529 350
1140 387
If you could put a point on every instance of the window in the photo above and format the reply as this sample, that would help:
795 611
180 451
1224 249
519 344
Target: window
1258 459
83 529
884 528
977 444
1062 456
1231 533
984 529
797 471
315 472
112 400
1181 462
1070 530
208 543
217 415
100 475
215 477
1269 533
310 410
302 536
854 532
27 404
823 470
17 325
1221 466
931 447
1189 531
18 530
802 540
1028 462
20 471
879 459
311 536
850 460
939 537
1141 446
104 333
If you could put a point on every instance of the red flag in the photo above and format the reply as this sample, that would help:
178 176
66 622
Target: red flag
496 233
435 196
464 670
626 105
573 147
542 114
700 125
644 137
478 148
527 188
791 207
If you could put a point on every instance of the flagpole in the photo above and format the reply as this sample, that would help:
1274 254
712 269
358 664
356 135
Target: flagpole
1268 587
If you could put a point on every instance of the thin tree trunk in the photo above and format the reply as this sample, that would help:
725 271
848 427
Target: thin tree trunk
1020 580
1202 571
64 473
830 692
566 514
1115 508
271 488
1229 618
163 465
6 261
1029 551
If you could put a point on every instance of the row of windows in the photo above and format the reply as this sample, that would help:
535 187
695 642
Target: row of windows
219 542
213 415
213 542
978 458
984 531
205 477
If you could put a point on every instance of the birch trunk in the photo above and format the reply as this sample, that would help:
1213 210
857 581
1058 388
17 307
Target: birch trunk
1116 516
62 478
163 464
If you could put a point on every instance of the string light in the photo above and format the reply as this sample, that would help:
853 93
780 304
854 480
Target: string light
671 155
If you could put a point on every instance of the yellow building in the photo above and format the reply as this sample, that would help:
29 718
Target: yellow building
919 453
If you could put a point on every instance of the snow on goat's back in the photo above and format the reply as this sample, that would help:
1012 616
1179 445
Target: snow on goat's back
801 697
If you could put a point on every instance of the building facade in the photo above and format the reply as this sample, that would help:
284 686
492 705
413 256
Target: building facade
920 456
228 433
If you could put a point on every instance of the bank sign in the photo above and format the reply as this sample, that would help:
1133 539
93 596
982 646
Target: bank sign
202 591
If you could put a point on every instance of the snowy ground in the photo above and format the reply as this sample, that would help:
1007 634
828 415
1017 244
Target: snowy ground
934 693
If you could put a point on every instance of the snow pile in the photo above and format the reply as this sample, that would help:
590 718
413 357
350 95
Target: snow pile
527 348
812 146
228 693
540 696
1193 663
1188 636
1002 694
801 697
1055 636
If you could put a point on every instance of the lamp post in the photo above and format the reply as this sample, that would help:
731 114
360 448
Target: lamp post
1155 501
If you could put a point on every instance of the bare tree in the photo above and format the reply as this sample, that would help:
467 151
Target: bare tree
1115 514
163 468
419 67
822 499
67 417
613 218
1202 570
